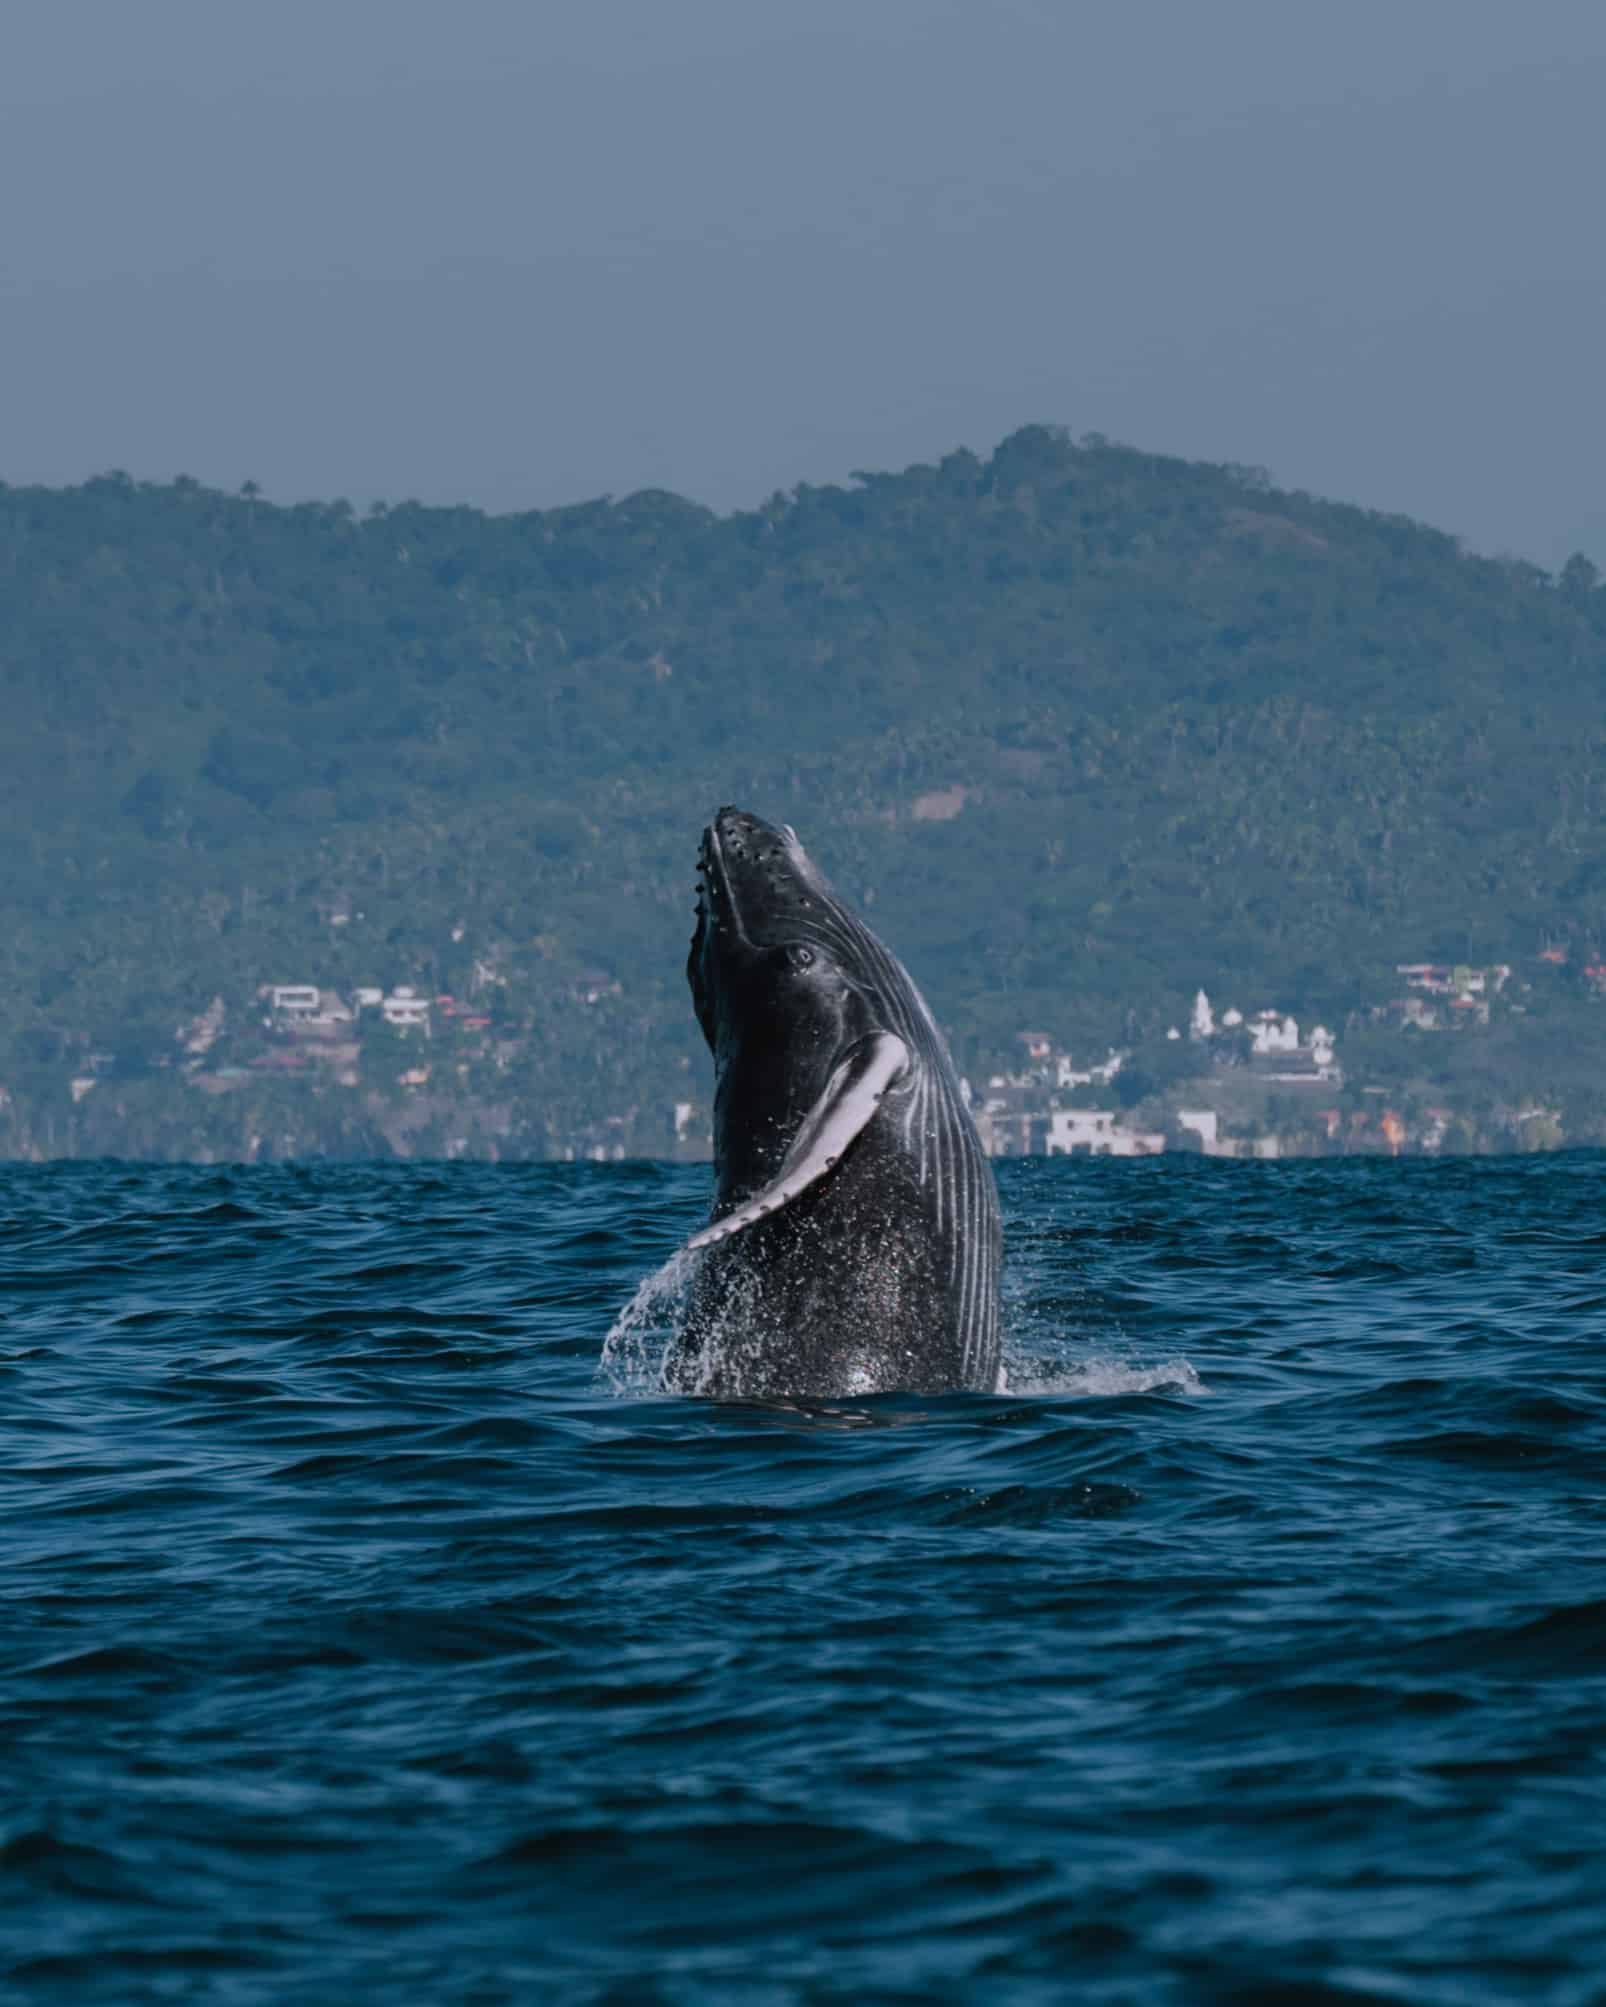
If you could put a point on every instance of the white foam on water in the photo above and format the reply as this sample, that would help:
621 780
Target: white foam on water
1100 1379
640 1359
635 1350
1041 1359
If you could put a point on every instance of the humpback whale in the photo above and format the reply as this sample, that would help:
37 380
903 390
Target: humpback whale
854 1244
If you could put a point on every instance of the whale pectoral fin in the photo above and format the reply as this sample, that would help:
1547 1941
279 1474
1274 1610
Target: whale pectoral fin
851 1097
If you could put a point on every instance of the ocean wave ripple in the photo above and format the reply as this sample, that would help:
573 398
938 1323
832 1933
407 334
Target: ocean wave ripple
360 1633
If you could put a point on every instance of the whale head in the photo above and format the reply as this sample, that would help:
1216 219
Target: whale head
787 991
759 957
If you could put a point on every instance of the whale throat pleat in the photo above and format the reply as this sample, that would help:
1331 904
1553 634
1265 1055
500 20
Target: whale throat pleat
852 1095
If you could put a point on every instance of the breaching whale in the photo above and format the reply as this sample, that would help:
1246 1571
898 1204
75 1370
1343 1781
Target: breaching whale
855 1242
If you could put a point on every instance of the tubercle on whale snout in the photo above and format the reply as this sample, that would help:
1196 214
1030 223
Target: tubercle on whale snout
755 875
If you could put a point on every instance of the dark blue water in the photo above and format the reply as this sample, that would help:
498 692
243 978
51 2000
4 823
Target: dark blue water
357 1640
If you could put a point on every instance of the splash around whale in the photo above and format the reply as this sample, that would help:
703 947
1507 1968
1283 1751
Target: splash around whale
855 1242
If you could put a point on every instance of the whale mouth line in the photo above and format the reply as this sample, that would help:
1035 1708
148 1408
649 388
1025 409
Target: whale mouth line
721 892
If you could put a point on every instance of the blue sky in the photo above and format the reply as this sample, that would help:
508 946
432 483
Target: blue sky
521 254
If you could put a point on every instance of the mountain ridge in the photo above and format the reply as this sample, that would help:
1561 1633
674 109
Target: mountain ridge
1206 731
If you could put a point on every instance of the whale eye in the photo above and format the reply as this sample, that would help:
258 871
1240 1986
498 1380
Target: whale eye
799 957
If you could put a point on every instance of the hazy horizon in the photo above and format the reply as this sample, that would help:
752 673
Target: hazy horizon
515 261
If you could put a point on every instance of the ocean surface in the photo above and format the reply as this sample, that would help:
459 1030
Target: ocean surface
363 1636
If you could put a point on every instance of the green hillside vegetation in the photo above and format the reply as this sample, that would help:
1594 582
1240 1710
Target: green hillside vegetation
1086 727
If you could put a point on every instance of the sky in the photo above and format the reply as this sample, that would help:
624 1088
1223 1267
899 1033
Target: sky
517 253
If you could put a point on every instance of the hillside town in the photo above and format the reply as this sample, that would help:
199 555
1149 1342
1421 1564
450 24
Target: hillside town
435 1073
1252 1085
1043 1109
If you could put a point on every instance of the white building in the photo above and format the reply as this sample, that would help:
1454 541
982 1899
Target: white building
1204 1122
1281 1056
294 999
1457 979
1270 1031
405 1008
1097 1132
368 999
1203 1023
1067 1076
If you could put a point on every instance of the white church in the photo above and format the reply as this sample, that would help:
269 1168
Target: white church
1274 1037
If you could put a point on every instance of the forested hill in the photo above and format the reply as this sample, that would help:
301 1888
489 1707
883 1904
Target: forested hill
1090 727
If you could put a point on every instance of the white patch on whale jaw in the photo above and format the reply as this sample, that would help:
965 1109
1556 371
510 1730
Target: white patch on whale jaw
852 1096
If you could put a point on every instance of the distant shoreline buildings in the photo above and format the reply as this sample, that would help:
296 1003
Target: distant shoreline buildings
1030 1113
447 1070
